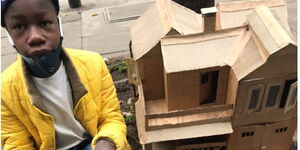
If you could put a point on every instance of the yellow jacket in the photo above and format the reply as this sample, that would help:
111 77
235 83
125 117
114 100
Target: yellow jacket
24 123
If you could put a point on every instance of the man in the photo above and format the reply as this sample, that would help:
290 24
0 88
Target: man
54 97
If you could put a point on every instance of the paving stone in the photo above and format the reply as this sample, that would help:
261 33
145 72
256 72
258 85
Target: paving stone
3 32
7 60
6 47
103 37
70 16
126 12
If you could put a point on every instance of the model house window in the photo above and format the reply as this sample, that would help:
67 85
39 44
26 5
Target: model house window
133 76
285 92
255 94
208 87
247 134
272 95
280 130
255 97
292 97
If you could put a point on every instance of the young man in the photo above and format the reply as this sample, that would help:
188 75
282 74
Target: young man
54 97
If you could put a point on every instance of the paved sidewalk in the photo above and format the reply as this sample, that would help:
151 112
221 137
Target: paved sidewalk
103 26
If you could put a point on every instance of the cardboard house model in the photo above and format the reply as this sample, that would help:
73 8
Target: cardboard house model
213 81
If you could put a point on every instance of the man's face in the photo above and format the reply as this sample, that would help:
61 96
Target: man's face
33 26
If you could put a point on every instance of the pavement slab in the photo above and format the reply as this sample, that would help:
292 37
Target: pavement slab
73 34
6 47
6 60
103 37
126 12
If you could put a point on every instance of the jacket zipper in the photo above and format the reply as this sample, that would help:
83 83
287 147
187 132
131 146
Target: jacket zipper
53 128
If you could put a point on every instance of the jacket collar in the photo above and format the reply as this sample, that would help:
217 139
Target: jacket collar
77 87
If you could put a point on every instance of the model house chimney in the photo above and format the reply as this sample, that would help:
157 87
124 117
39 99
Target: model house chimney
209 18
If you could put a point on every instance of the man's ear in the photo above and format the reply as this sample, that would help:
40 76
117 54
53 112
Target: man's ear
60 27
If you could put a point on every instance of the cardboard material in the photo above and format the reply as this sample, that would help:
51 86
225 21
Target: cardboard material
200 51
217 145
187 132
188 117
292 98
272 34
275 136
160 19
198 83
209 18
240 9
132 73
243 115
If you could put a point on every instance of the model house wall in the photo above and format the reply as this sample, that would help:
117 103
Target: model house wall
274 136
272 68
151 74
191 89
263 99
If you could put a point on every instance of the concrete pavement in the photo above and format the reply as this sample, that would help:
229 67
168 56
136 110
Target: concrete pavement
103 26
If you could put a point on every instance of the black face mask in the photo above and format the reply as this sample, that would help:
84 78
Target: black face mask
45 65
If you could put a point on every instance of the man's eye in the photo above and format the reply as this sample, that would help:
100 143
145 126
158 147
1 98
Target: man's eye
45 23
19 27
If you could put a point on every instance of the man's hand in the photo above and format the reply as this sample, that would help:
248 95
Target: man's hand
104 144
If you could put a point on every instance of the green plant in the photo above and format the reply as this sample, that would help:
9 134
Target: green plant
119 66
129 117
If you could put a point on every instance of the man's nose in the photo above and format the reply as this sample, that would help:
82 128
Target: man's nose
35 37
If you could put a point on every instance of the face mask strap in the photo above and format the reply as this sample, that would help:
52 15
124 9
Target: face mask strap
60 27
10 39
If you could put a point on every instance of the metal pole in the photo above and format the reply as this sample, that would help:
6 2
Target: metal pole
74 3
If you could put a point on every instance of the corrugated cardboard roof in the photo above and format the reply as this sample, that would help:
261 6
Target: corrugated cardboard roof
158 21
245 50
182 53
268 36
249 59
188 132
269 30
240 9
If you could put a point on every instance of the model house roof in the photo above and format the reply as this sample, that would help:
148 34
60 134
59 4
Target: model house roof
234 13
192 52
268 37
271 32
245 48
162 18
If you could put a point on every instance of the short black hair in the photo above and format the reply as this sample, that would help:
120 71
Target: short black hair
6 3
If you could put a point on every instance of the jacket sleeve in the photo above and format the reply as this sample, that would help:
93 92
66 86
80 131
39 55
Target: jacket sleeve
111 123
14 134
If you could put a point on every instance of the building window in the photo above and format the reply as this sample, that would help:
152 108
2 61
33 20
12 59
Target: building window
292 97
285 92
281 130
272 95
247 134
255 97
255 94
208 87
